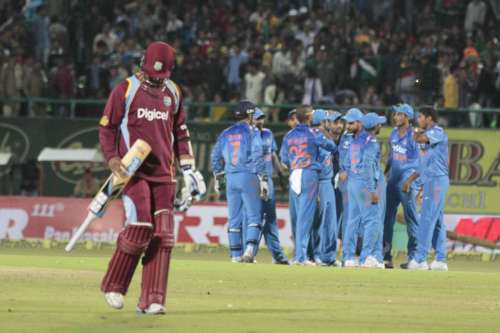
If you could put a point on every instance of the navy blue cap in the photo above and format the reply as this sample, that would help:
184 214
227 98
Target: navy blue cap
244 109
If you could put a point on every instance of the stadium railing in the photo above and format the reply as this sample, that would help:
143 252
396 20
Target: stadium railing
210 111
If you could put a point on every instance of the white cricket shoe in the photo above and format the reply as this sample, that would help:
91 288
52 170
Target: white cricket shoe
248 256
370 262
414 265
309 263
155 309
439 266
114 300
236 259
351 263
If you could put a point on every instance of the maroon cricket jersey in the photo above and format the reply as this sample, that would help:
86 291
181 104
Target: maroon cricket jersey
135 110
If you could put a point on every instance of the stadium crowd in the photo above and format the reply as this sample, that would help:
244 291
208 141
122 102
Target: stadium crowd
335 52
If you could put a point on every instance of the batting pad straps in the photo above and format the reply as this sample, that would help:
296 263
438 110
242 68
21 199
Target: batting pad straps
164 228
134 239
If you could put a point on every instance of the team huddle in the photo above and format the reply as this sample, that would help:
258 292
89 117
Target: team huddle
337 188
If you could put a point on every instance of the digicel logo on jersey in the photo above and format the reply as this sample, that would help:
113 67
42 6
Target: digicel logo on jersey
151 115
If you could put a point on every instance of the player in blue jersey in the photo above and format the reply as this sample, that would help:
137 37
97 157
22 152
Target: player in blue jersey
402 162
325 236
238 155
336 126
433 173
300 151
353 129
270 228
363 176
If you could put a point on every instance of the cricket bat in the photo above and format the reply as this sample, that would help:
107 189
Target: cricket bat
112 188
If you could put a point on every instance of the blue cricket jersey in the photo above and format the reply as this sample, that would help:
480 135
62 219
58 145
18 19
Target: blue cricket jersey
403 154
364 160
433 156
300 148
325 159
239 148
343 150
269 148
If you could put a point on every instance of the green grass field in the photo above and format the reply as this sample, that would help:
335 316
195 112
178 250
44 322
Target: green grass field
49 291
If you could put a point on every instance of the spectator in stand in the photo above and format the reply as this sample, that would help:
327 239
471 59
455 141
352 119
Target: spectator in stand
11 84
237 58
474 15
274 94
254 83
450 89
369 44
62 83
35 84
40 23
313 89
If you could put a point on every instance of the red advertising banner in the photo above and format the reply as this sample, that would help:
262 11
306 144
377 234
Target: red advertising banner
54 218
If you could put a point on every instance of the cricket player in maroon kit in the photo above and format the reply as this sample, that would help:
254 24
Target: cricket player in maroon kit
147 106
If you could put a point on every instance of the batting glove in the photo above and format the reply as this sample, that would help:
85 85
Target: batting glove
194 182
264 187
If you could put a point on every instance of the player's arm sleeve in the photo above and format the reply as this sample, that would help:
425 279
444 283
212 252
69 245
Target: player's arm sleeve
258 153
388 161
413 156
371 165
434 136
109 124
182 139
284 153
325 143
216 158
343 157
274 147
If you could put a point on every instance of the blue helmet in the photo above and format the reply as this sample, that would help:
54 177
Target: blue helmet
244 109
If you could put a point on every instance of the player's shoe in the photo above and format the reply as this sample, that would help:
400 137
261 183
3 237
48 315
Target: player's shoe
388 264
236 260
414 265
114 300
281 261
380 265
351 263
308 263
248 256
404 265
370 262
439 266
153 309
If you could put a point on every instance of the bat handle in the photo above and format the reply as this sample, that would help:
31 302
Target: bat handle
88 220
